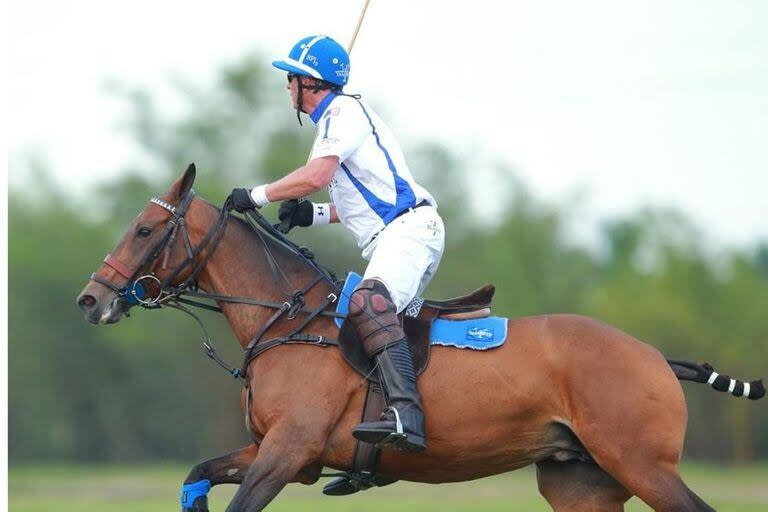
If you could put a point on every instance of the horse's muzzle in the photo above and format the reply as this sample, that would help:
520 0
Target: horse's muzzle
100 307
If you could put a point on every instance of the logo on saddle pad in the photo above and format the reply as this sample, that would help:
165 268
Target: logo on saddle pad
479 334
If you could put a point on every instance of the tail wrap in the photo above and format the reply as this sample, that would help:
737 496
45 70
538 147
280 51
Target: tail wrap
704 373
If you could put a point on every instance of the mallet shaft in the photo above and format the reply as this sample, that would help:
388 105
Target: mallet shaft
357 28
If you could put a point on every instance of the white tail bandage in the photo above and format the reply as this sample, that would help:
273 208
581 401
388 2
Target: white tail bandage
712 378
732 385
746 389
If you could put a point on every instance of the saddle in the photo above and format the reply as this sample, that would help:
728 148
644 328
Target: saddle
417 322
476 304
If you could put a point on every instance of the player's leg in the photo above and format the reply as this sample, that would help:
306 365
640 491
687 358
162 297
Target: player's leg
408 249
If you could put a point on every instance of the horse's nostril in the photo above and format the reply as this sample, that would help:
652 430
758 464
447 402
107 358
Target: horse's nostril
86 301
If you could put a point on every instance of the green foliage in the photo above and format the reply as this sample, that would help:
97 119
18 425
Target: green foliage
142 389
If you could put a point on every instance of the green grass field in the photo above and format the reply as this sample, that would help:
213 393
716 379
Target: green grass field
155 489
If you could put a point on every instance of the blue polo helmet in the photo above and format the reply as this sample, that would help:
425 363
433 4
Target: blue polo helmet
319 57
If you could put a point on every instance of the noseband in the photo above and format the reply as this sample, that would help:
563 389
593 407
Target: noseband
134 291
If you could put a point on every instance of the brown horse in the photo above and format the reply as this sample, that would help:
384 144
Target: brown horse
598 433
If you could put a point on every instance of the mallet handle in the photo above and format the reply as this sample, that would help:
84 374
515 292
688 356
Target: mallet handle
357 28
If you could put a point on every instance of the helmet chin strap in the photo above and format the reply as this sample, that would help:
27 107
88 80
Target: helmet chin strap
299 99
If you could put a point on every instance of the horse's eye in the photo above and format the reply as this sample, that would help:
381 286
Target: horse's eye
144 232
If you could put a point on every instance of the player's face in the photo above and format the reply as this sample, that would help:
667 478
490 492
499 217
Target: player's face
293 88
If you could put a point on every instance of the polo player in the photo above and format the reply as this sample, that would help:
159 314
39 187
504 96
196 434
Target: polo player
374 195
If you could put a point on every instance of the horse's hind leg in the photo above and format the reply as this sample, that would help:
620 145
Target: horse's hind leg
579 487
659 485
638 440
641 451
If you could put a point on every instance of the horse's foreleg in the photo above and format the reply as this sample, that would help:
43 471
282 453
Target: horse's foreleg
283 454
227 469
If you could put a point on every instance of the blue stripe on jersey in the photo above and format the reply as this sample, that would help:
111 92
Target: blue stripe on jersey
381 207
327 125
321 107
405 198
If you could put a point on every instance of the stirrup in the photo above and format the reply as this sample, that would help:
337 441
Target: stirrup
396 438
393 440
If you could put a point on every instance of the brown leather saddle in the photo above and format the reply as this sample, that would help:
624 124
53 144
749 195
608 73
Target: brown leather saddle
476 304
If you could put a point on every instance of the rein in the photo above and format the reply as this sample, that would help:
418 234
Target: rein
134 291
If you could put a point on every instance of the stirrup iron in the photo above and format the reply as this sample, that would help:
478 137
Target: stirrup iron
396 438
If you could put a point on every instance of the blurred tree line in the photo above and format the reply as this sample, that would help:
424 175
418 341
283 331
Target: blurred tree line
142 390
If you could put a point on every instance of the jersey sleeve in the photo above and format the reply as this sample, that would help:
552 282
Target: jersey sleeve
340 131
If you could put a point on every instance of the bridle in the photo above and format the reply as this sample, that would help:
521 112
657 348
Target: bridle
176 296
134 291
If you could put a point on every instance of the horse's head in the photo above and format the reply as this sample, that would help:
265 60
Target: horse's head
154 245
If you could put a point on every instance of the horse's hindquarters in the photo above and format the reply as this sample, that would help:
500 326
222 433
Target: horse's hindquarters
627 408
490 412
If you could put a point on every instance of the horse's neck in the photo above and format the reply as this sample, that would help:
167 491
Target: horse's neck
239 267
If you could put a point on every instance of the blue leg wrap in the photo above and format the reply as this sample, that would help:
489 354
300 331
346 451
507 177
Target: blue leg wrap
190 492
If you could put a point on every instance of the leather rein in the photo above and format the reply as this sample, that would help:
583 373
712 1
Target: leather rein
133 292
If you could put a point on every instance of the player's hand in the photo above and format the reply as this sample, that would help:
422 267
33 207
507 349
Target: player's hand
242 201
296 212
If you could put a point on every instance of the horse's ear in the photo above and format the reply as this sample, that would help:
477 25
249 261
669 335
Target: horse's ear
184 184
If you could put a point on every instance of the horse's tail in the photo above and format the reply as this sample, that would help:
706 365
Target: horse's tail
704 373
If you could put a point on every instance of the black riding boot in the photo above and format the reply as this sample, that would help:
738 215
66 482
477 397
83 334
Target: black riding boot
402 425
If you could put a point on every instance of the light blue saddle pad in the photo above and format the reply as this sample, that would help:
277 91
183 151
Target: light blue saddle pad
477 334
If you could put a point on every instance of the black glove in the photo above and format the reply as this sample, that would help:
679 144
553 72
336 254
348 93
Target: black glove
295 212
241 200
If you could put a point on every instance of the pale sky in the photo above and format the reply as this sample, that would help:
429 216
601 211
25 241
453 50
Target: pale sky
654 102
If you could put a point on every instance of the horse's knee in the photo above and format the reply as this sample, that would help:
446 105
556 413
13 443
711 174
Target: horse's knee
310 474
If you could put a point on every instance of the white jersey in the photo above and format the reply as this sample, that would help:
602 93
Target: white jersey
372 184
